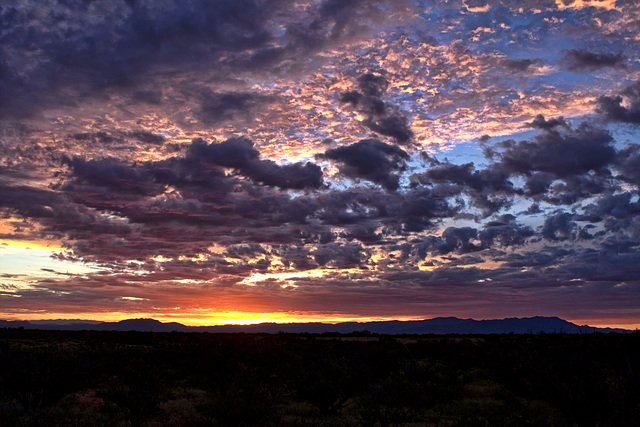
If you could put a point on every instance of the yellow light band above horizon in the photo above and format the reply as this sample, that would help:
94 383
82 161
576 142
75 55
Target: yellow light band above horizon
205 318
43 245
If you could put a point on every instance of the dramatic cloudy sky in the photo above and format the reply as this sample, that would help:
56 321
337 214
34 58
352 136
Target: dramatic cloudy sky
214 161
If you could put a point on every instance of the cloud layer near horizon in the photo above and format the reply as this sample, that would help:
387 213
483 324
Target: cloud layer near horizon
325 158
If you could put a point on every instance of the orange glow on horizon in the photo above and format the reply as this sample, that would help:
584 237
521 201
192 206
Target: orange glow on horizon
205 318
608 323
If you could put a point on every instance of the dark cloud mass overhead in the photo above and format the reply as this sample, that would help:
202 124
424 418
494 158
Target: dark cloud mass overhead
578 60
369 159
226 161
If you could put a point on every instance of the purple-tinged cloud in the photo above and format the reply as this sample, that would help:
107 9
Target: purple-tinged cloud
612 108
369 159
382 117
580 60
541 123
216 108
559 226
489 189
505 231
453 239
240 154
90 50
521 66
628 163
561 153
114 176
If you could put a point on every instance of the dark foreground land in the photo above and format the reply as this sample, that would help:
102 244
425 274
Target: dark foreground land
88 378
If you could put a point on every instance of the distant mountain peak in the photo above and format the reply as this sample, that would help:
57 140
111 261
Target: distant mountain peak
140 320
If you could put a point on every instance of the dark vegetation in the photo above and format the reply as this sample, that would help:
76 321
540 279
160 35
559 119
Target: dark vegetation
90 378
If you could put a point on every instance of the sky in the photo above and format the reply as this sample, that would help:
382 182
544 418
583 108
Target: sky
242 161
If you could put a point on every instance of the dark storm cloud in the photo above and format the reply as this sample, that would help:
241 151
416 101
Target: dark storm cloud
179 205
375 216
117 137
614 261
147 137
369 159
397 212
579 60
534 209
541 123
545 257
85 48
336 255
466 175
489 189
421 208
505 231
352 206
393 124
373 85
628 162
448 276
232 153
151 97
198 174
381 117
228 208
538 183
58 215
114 175
101 137
243 213
453 239
294 176
240 154
81 222
559 226
56 53
369 105
217 108
611 108
294 256
560 165
619 206
617 263
330 21
559 152
28 201
242 251
521 66
573 189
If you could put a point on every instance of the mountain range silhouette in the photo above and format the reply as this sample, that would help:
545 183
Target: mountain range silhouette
438 325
